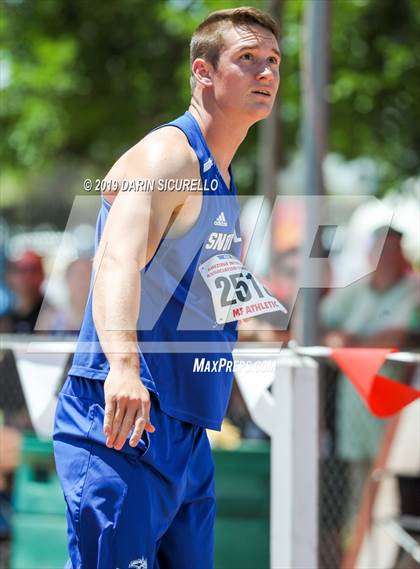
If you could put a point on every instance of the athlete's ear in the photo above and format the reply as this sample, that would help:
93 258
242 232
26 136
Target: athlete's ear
202 72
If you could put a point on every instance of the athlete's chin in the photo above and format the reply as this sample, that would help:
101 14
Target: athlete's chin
261 112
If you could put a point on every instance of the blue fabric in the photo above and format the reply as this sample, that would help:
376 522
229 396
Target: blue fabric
176 306
149 507
6 299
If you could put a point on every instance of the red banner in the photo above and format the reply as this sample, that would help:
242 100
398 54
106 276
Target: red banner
383 396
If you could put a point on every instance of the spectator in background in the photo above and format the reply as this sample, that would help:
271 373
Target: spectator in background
69 320
25 276
284 274
376 311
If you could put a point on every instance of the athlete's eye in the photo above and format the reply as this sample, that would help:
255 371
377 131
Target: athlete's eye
247 57
273 60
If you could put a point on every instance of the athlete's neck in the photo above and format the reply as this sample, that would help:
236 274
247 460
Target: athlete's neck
223 134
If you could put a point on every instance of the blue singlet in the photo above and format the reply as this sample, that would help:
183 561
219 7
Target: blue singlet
185 354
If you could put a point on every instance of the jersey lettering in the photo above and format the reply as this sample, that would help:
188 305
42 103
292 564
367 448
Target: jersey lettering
222 241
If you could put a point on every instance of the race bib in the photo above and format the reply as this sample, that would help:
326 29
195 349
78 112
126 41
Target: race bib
236 293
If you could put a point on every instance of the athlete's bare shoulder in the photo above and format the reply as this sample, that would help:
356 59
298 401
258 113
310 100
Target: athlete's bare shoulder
168 148
147 215
162 154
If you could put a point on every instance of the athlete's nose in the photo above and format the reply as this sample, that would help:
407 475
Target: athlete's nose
265 72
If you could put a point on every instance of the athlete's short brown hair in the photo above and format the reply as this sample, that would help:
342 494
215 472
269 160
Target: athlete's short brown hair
207 40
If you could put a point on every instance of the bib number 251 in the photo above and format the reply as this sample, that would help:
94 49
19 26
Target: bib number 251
236 287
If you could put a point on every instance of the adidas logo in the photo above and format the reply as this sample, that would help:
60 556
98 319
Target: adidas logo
207 165
221 220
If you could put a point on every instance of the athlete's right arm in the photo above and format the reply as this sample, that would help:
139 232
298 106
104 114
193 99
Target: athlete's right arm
136 222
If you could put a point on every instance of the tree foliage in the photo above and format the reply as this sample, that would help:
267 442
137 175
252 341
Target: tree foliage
84 80
89 78
375 84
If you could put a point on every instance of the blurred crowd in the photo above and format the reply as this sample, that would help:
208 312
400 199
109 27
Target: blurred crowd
28 311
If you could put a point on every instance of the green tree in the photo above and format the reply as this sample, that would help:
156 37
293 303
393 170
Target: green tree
82 81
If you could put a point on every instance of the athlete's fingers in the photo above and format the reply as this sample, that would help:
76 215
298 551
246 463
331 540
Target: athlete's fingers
149 428
125 428
116 423
109 415
139 427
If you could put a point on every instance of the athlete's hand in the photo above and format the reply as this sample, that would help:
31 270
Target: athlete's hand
127 405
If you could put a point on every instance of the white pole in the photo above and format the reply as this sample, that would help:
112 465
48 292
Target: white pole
289 414
294 465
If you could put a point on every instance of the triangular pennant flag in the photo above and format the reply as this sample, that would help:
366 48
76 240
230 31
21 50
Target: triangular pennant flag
389 396
382 396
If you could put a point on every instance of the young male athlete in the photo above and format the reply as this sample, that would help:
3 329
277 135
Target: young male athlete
153 366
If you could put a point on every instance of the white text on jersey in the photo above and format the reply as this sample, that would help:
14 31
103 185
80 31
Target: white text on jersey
222 241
